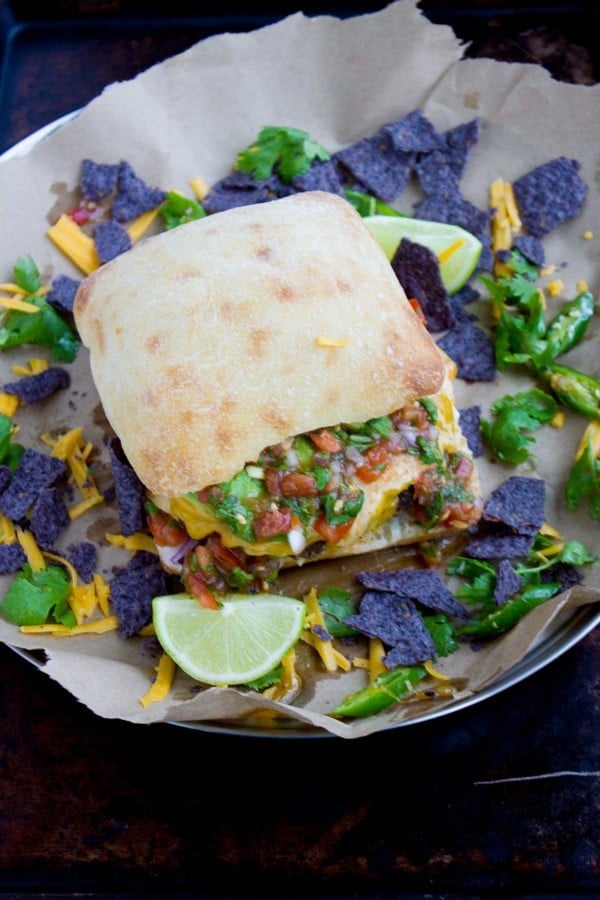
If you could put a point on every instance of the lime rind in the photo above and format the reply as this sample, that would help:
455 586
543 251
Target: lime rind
242 641
439 237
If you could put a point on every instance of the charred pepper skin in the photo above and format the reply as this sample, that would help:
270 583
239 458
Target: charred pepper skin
385 690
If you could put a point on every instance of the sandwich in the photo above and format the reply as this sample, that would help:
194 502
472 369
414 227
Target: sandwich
276 393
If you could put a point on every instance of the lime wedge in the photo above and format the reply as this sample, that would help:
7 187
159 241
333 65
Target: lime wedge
457 250
243 640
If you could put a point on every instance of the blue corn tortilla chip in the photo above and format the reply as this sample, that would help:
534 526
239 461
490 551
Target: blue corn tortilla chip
566 574
238 189
508 582
472 350
5 476
129 490
33 388
34 472
132 590
458 144
418 271
469 422
454 209
49 517
549 195
97 180
397 623
110 240
12 558
322 176
422 585
499 546
378 168
531 248
83 557
134 196
518 503
62 293
435 175
413 133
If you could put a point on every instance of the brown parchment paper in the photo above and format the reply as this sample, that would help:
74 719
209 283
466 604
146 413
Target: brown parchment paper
340 80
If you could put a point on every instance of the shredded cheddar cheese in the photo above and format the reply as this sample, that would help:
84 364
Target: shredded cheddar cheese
75 244
140 226
434 672
99 626
445 255
581 286
558 420
376 654
588 235
548 530
506 222
332 658
133 542
8 404
200 187
21 305
34 367
322 341
555 288
74 450
33 553
7 530
160 687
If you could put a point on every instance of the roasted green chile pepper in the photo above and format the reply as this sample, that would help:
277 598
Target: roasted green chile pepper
506 616
573 388
386 689
568 326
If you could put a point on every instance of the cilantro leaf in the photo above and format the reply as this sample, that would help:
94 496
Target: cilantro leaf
336 606
288 151
443 633
26 275
10 451
33 596
515 415
46 328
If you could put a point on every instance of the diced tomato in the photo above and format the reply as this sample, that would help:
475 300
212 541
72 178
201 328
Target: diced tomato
376 459
199 589
226 558
273 481
166 530
332 533
273 522
296 484
418 309
212 492
80 215
326 441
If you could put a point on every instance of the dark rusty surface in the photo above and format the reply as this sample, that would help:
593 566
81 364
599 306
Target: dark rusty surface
502 798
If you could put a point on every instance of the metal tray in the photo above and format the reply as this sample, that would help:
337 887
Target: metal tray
565 632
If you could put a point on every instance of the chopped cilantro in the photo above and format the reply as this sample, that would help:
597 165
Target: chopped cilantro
515 415
33 596
443 633
337 606
10 452
46 327
287 151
